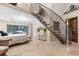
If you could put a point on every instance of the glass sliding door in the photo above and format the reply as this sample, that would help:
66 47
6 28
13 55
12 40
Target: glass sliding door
17 28
12 28
24 29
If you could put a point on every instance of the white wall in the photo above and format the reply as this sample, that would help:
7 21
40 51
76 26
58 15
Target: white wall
2 26
25 6
36 25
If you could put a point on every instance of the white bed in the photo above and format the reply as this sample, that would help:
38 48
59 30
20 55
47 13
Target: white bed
15 38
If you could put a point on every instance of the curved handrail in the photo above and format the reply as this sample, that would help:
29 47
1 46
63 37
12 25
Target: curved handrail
53 12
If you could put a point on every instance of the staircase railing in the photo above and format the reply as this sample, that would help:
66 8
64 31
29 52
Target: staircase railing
51 21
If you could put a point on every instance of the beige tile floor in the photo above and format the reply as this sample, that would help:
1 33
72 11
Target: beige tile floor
41 48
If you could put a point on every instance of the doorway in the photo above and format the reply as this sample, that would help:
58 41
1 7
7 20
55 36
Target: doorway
73 32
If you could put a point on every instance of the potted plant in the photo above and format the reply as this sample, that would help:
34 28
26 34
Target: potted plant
38 30
42 31
45 30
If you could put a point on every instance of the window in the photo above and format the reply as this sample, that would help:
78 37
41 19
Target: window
24 29
12 28
41 11
56 25
15 28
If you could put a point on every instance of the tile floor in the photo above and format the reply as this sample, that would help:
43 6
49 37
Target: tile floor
41 48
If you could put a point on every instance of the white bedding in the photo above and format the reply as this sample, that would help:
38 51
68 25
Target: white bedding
15 38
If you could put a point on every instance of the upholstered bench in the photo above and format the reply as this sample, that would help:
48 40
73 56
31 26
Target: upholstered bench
3 46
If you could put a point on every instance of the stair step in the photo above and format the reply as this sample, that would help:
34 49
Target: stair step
61 36
46 24
49 26
64 37
37 16
58 34
57 31
43 21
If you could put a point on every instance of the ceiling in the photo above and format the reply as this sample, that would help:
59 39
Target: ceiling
60 8
13 15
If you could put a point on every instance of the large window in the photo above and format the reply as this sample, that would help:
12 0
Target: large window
15 28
